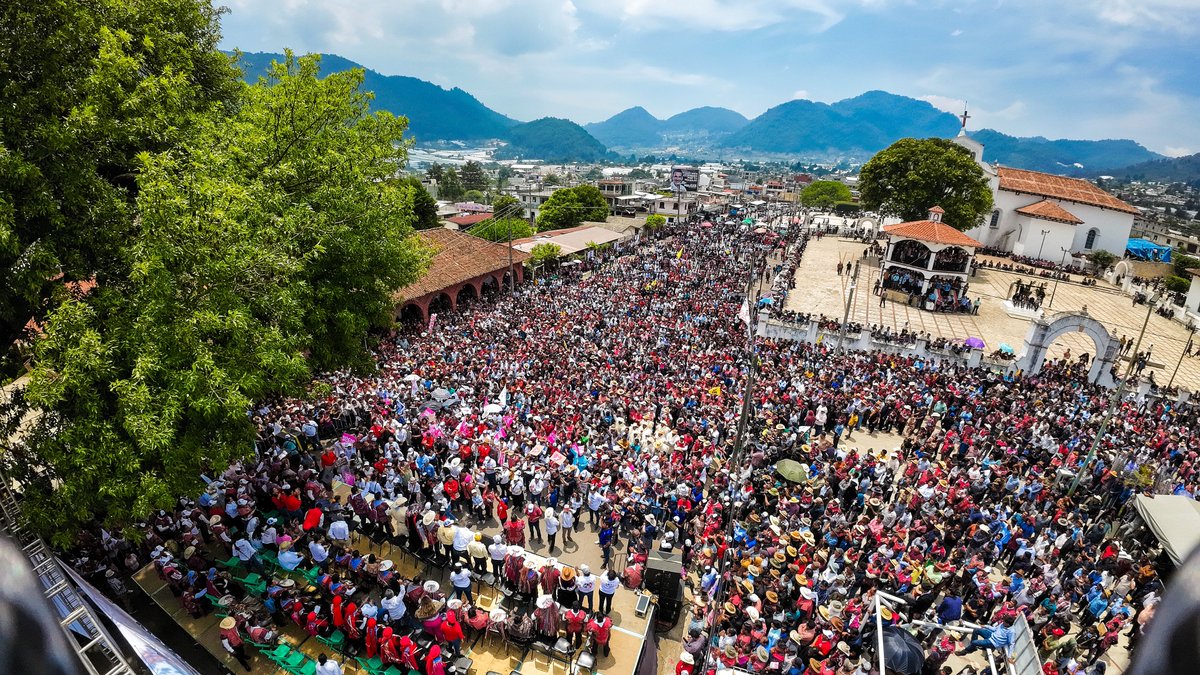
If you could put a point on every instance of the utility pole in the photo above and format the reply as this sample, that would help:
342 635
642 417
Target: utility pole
1055 289
1116 401
1186 348
1044 233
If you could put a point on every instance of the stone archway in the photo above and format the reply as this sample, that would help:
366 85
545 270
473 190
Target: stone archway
1043 332
869 225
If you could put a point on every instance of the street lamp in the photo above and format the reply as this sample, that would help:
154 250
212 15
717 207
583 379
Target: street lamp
1116 400
1055 289
1044 233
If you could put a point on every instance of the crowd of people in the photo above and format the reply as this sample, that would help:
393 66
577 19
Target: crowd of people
609 401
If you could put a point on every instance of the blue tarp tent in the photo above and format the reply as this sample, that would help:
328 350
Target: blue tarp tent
1140 249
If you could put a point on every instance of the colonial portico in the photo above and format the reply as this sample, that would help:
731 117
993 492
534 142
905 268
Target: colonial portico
929 259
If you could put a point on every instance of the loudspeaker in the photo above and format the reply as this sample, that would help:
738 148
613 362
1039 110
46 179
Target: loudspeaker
670 603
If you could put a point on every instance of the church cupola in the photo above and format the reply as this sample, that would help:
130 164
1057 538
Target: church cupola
935 214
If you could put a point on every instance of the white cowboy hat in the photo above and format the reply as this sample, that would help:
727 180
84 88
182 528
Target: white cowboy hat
544 601
386 565
431 586
687 658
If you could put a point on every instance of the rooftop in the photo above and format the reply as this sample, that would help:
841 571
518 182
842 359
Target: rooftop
929 231
1048 210
467 221
457 257
1059 187
570 240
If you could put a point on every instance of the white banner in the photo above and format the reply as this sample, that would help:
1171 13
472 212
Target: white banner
158 657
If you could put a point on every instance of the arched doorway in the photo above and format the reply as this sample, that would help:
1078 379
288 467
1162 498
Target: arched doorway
441 304
489 288
411 316
465 296
910 252
1044 332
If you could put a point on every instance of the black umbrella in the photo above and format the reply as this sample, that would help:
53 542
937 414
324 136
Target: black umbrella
901 651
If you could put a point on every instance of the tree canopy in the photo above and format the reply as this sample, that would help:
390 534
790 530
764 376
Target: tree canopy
473 177
823 194
505 205
499 230
911 176
268 244
449 186
425 210
569 207
87 88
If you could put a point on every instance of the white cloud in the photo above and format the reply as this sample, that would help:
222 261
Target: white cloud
800 94
724 15
1170 15
956 32
1174 151
945 103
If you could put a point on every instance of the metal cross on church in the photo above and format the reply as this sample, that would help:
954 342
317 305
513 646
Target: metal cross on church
964 117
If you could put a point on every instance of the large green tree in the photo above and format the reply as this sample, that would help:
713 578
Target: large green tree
506 205
911 175
86 88
473 177
500 230
569 207
823 194
269 244
425 208
450 187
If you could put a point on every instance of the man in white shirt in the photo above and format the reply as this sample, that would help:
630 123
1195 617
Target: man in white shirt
327 666
319 553
462 538
245 552
460 579
497 551
552 524
609 583
393 606
585 584
339 531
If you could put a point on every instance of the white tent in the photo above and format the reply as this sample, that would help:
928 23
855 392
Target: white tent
1174 519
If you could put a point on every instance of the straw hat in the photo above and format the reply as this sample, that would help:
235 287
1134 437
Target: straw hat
792 552
189 551
729 608
886 613
772 597
454 603
386 565
544 601
214 520
807 593
808 537
762 654
431 586
843 648
568 573
779 557
228 622
530 565
428 518
687 658
287 583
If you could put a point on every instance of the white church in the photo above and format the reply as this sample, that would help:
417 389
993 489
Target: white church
1045 216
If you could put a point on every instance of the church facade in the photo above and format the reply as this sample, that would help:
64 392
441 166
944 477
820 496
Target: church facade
1041 215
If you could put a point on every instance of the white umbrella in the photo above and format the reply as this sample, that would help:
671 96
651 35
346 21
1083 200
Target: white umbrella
491 409
411 377
441 394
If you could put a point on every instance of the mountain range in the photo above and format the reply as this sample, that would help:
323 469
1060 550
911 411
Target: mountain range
1176 169
852 129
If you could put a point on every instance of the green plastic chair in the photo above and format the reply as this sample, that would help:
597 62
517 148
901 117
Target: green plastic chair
279 654
306 667
250 579
233 563
336 640
292 661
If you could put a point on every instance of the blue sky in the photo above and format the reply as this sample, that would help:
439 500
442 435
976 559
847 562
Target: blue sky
1056 68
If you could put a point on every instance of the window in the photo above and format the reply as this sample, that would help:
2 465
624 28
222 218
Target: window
1091 238
995 218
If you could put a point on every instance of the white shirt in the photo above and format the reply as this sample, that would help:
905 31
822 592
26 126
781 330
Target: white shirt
497 551
585 583
607 585
330 667
551 525
339 531
462 537
318 552
461 579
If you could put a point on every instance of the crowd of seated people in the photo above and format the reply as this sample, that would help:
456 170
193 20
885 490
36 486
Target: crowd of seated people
955 347
891 336
951 260
949 294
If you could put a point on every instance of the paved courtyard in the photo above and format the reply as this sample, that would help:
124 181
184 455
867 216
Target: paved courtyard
819 290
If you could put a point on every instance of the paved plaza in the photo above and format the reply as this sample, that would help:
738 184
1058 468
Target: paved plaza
819 290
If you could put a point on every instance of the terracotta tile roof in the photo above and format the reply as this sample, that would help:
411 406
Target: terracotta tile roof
1059 187
935 233
457 257
466 221
1048 210
937 209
